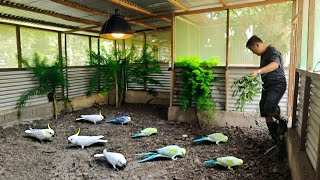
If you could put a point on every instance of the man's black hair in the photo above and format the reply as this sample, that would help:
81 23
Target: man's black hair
253 40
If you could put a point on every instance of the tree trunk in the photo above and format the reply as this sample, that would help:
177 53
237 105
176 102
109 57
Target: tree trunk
55 107
117 89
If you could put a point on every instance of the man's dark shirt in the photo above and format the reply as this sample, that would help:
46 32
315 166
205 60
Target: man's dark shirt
277 76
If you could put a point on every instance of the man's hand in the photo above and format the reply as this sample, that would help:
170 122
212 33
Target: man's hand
255 73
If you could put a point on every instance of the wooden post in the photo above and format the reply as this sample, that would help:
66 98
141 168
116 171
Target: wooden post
66 59
227 61
318 159
310 35
295 99
299 34
18 38
305 112
292 63
172 84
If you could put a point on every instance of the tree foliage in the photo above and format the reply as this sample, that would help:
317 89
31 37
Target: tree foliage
49 78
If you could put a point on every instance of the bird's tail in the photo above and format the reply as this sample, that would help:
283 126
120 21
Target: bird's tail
210 162
102 141
146 154
200 140
78 119
28 131
111 120
150 158
136 135
98 155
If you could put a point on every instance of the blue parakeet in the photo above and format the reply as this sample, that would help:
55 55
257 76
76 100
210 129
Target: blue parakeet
171 151
145 132
120 120
216 137
227 161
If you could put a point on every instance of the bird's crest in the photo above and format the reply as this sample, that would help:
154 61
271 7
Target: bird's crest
100 112
49 127
77 134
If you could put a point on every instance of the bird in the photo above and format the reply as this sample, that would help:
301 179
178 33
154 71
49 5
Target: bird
145 132
216 137
227 161
115 159
85 140
120 120
41 134
171 151
92 118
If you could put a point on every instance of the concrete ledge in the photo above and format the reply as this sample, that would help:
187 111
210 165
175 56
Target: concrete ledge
45 111
301 168
221 118
142 97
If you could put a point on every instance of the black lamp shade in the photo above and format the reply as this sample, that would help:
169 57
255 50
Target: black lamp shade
116 28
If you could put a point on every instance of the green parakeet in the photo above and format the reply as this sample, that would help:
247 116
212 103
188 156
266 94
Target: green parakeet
145 132
216 137
227 161
171 151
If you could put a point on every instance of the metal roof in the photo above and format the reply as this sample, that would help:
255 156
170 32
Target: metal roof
78 14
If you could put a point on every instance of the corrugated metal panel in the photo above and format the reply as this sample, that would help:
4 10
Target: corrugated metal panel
218 88
254 105
78 80
313 122
163 78
300 104
13 84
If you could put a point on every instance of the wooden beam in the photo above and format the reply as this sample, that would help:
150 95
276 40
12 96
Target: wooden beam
97 12
299 34
35 21
223 2
18 39
291 66
305 113
81 29
46 12
295 99
131 6
183 7
311 14
227 60
235 6
172 82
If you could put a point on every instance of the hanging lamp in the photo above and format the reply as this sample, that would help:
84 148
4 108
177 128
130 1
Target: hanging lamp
116 27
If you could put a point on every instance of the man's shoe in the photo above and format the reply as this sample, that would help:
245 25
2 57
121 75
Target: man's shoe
282 126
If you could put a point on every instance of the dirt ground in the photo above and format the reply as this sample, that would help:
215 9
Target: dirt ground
22 157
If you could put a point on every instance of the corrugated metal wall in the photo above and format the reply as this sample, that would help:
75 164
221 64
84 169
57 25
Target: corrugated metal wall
252 106
302 81
78 80
313 123
163 78
13 84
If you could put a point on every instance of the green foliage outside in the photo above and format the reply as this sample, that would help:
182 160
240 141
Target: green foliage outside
248 87
49 77
197 77
143 67
114 70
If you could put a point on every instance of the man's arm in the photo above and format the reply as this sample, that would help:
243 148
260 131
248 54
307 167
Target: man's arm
268 68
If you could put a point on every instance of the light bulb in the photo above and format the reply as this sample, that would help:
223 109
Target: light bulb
117 35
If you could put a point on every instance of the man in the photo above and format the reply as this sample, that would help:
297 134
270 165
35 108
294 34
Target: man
274 86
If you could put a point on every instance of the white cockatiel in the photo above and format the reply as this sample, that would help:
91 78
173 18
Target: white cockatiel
85 140
115 159
92 118
41 134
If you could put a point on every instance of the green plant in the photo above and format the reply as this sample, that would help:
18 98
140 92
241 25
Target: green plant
197 77
248 87
143 67
110 71
49 77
